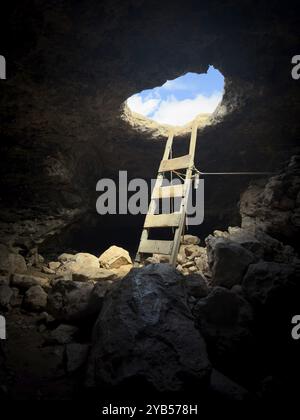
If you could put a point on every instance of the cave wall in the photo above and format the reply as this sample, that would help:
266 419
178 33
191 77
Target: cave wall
71 66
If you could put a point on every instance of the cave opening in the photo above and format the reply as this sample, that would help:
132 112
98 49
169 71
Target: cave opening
178 102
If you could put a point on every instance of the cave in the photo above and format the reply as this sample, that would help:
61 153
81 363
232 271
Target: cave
66 124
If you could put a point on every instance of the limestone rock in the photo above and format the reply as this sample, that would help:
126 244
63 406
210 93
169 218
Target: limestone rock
11 262
86 259
114 257
47 270
151 335
190 240
66 257
87 273
84 267
54 265
35 299
25 281
71 301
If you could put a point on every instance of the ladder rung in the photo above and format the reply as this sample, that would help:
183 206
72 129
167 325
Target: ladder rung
162 220
168 191
176 163
149 246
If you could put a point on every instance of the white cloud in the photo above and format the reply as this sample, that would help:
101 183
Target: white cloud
179 112
142 106
177 85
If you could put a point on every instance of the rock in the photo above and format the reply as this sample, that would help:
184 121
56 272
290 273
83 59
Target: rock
164 259
16 299
181 259
17 263
192 251
152 260
11 262
54 265
86 259
66 257
63 334
6 294
121 271
82 271
24 281
264 280
227 390
87 273
85 267
223 318
35 259
114 257
76 356
190 240
228 261
71 301
188 264
196 285
274 250
202 261
4 280
35 299
151 335
47 270
271 205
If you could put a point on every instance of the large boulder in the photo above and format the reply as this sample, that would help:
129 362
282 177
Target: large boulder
71 301
265 281
223 317
228 261
114 257
151 336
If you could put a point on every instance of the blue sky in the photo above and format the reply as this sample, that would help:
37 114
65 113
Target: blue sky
178 101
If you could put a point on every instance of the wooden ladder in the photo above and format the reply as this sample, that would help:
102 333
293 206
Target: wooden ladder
170 220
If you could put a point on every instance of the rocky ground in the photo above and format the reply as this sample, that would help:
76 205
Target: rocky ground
218 324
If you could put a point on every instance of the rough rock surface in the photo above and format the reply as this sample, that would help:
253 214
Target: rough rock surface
74 301
274 206
114 257
35 299
266 280
145 312
223 318
25 281
228 261
6 295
